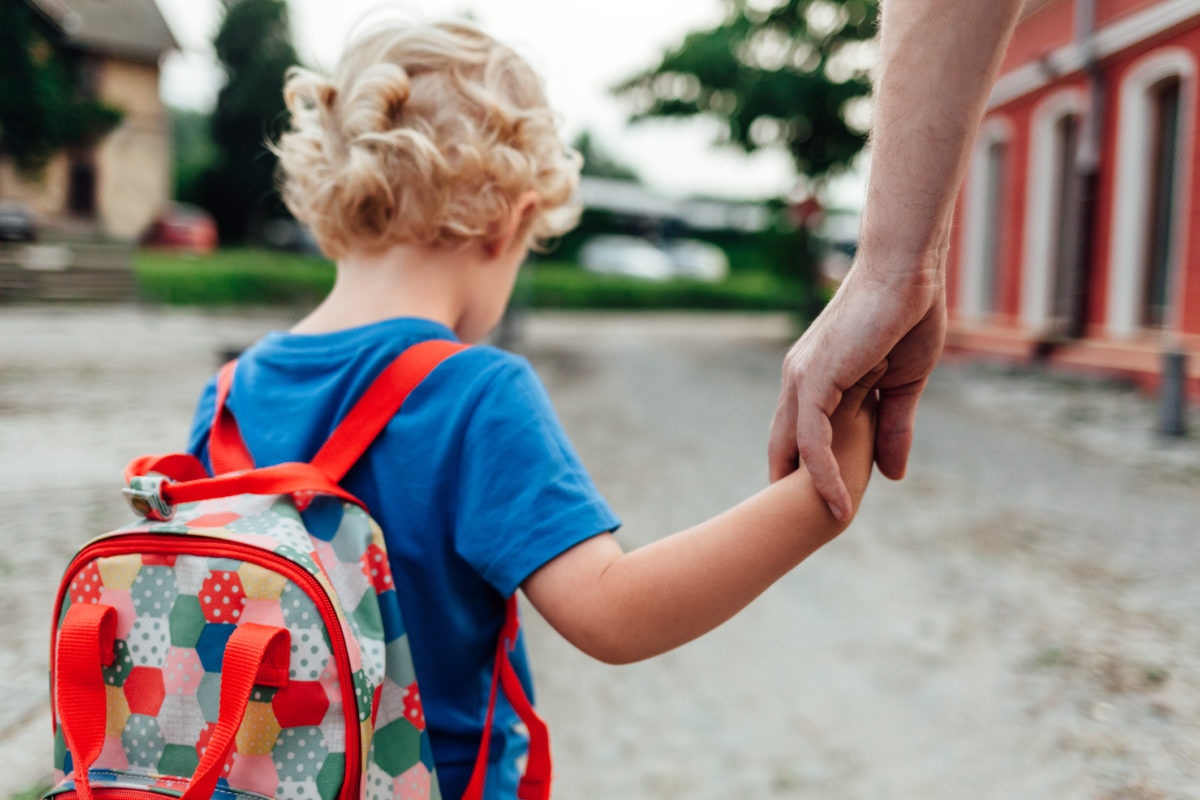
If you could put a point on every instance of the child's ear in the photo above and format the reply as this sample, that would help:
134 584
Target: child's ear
514 229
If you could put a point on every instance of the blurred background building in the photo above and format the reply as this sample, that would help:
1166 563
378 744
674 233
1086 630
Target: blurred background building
115 186
1078 240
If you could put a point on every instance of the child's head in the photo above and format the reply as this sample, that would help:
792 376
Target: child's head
425 134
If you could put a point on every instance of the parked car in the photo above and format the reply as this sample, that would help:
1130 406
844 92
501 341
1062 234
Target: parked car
698 260
183 227
16 223
612 254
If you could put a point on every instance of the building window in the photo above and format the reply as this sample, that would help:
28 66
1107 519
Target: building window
1165 98
993 227
1051 214
1154 157
1066 144
986 224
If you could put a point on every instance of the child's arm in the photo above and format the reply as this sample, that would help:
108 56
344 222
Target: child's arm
622 607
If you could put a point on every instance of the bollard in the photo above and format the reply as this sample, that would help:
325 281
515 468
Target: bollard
1172 395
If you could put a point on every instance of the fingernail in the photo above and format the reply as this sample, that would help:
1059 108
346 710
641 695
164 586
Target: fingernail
837 512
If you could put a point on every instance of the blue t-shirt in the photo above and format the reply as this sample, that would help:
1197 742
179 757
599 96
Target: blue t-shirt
474 484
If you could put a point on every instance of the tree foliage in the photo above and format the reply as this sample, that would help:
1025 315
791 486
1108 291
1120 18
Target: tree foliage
254 46
44 107
193 153
598 162
793 73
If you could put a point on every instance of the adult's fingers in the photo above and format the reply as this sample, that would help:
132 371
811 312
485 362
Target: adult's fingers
814 443
894 430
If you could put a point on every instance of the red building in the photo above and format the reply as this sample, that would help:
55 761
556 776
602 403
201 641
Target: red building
1078 229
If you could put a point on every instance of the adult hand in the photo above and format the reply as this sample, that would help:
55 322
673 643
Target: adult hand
895 318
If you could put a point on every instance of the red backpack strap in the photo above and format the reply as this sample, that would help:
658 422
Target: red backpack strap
380 402
226 449
535 783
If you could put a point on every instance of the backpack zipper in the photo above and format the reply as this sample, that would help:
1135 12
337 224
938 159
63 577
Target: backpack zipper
128 793
199 544
115 794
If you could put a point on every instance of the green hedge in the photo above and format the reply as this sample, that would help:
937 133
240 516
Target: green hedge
232 277
259 277
555 285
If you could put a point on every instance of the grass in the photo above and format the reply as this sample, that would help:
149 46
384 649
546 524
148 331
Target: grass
261 277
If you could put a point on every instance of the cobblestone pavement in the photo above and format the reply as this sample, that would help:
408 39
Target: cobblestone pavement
1015 619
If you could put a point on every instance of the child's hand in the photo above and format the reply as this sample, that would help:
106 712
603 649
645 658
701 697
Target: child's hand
854 434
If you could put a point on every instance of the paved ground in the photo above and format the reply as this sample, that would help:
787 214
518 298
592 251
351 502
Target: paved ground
1015 619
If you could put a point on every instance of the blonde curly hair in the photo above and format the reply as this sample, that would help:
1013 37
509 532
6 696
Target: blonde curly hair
426 133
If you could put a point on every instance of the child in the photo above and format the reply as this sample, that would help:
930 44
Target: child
426 167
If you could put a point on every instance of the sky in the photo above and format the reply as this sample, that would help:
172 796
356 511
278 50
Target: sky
581 48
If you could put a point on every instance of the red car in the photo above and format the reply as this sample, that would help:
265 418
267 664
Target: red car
183 227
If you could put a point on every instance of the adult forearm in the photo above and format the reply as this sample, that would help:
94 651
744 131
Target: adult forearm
938 61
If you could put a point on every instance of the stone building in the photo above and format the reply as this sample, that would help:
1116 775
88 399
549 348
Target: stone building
115 189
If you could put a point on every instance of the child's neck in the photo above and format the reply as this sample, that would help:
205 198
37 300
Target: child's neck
403 281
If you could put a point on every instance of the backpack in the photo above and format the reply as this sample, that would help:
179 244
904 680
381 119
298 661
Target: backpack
243 638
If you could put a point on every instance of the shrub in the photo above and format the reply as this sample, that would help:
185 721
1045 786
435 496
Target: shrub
557 285
260 277
232 278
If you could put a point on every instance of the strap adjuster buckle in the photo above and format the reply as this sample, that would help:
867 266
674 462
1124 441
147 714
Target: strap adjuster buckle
145 496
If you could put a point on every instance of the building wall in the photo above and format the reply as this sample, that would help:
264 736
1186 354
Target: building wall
45 196
1113 331
1109 11
1041 30
133 163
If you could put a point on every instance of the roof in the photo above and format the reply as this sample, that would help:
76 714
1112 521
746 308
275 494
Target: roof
133 29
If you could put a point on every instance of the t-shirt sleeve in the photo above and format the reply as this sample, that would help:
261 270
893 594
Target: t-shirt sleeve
524 496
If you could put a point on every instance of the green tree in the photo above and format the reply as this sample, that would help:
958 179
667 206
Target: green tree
600 163
775 73
43 105
254 45
193 153
791 74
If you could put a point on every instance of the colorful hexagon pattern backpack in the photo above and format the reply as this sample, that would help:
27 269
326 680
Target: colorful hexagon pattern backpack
243 639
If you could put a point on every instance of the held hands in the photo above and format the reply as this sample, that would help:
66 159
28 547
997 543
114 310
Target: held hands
895 327
853 427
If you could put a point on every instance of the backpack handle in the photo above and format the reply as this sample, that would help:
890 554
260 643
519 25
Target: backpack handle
86 642
254 654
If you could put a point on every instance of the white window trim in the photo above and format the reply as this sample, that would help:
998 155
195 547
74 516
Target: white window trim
972 292
1127 252
1045 162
